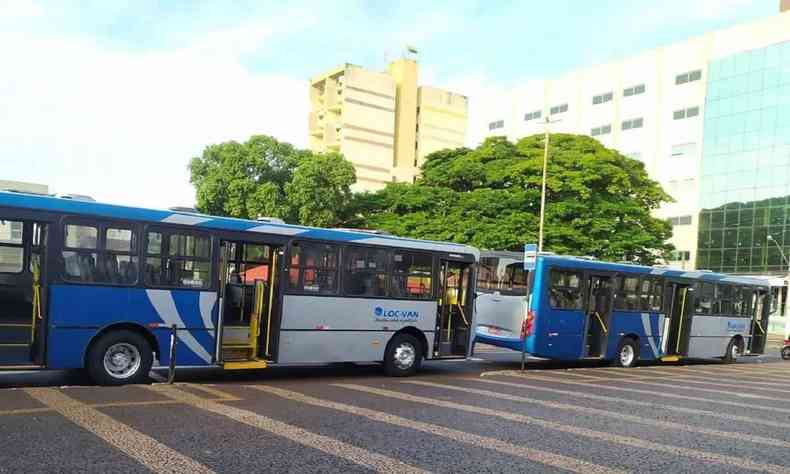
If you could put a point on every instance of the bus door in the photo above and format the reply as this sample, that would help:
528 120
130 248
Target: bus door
247 301
454 319
677 327
22 292
599 312
760 312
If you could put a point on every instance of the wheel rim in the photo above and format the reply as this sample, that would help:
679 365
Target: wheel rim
122 360
626 355
735 351
786 353
405 355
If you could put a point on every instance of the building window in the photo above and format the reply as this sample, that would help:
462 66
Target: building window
680 220
532 115
602 98
634 90
633 123
496 125
602 130
690 76
685 113
684 149
558 109
680 256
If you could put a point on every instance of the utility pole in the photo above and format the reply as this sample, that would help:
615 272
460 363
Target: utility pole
546 138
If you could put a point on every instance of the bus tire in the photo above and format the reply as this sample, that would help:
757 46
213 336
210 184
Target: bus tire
403 356
786 353
733 351
627 353
119 358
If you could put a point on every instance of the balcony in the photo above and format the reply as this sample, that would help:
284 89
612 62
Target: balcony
316 125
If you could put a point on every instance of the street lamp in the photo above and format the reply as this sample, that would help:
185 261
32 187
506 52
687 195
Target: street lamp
547 122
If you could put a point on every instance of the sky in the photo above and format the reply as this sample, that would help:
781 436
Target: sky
112 99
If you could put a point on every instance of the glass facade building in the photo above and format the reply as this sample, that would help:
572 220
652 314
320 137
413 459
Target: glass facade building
745 170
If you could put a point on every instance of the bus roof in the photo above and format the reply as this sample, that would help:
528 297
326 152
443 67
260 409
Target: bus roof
591 264
112 211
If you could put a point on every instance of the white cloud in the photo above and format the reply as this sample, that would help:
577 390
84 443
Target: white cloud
122 125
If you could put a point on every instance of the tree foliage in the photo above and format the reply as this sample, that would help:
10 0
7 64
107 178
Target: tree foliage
264 177
598 202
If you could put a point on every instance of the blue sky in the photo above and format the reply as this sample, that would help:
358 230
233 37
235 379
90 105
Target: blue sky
112 98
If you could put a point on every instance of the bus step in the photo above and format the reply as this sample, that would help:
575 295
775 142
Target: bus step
14 333
247 364
237 353
15 354
670 358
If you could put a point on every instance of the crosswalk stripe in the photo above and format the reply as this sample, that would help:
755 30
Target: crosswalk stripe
576 430
140 447
698 389
219 394
334 447
669 425
703 380
742 378
628 401
543 457
655 393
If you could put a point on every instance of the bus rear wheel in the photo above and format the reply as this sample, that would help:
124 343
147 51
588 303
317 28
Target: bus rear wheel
627 353
733 351
403 356
120 358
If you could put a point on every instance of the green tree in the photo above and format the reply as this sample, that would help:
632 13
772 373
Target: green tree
598 202
265 177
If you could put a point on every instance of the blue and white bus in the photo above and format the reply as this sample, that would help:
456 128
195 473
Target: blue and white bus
586 309
100 287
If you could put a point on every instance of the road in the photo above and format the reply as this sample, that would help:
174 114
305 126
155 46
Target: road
476 416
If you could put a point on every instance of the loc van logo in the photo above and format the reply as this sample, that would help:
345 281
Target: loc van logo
395 314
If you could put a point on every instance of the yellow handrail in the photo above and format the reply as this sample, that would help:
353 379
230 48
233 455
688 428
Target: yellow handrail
271 299
36 301
680 324
600 320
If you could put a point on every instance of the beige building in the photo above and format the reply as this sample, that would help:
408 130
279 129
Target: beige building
383 122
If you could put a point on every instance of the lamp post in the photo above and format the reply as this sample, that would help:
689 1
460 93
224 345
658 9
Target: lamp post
547 122
787 281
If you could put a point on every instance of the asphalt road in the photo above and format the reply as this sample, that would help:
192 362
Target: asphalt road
473 416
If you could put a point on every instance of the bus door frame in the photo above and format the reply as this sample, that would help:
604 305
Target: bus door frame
673 343
759 322
274 300
47 223
604 320
441 348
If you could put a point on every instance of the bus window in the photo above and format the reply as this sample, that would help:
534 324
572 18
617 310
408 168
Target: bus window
120 256
11 248
365 272
313 268
565 291
80 254
516 280
486 274
626 297
185 264
657 298
704 299
724 298
411 275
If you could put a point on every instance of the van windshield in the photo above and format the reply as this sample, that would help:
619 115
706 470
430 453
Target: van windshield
505 275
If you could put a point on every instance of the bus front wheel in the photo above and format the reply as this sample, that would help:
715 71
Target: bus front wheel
627 353
119 358
403 356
